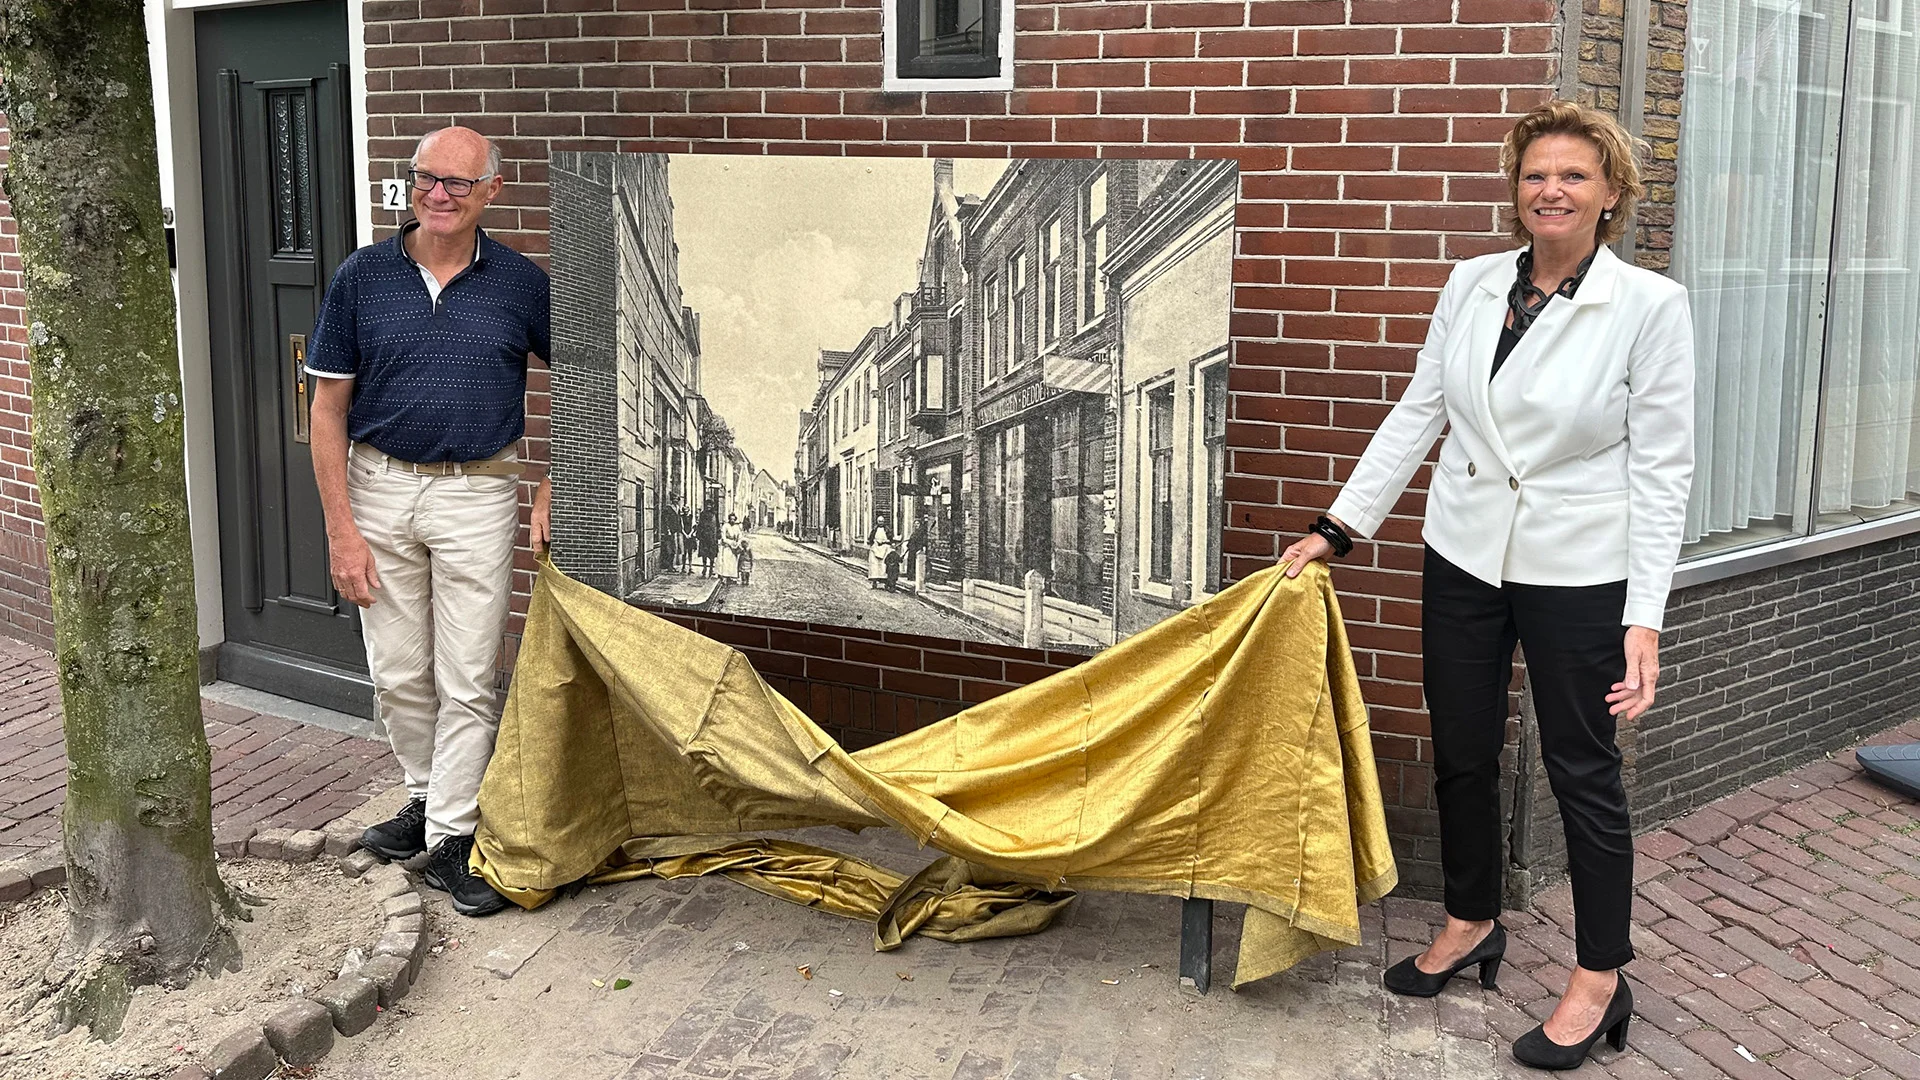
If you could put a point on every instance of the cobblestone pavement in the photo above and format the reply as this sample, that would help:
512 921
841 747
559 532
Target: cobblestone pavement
790 581
268 772
1778 933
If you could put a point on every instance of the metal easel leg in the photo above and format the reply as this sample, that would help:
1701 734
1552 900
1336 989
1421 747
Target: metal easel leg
1196 944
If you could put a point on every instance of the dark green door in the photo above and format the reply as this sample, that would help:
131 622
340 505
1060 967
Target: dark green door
277 175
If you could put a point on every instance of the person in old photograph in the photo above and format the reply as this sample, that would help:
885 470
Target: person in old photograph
420 485
669 535
879 554
1554 520
916 549
689 541
731 538
708 538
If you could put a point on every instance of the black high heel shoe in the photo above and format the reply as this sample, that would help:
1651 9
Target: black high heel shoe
1406 977
1534 1049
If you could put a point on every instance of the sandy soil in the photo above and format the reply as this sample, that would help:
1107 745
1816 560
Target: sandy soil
296 943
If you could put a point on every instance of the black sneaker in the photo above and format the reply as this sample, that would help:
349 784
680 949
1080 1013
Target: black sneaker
447 871
401 837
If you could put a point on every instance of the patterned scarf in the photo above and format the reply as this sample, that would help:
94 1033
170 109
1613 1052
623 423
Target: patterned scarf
1525 299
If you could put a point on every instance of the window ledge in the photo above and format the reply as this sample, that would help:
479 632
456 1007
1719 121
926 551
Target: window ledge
1747 561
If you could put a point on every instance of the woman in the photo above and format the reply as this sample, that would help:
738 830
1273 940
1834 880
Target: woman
669 535
879 549
1553 519
730 540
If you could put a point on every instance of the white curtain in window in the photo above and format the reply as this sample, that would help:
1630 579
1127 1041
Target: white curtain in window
1869 457
1750 243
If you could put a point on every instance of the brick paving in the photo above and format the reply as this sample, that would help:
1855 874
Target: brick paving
1778 931
268 772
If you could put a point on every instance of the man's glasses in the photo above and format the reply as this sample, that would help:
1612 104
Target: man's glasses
455 186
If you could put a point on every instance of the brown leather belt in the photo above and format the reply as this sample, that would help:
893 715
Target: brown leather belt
504 463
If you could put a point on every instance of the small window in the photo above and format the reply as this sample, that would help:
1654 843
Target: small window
1051 279
1093 250
948 45
1159 493
1018 304
996 333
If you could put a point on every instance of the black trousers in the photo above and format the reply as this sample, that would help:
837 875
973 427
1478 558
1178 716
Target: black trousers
1575 648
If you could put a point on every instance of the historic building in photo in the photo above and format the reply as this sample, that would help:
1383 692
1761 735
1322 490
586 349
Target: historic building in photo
1037 384
1170 275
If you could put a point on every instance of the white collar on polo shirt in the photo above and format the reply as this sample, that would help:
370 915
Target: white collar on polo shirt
433 283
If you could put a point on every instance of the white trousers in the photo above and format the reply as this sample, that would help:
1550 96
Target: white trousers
443 548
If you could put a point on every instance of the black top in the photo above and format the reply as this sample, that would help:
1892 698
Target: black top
1508 339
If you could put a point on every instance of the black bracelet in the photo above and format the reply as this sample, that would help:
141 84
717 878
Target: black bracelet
1329 529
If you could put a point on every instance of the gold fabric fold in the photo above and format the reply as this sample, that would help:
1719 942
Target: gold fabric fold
1222 753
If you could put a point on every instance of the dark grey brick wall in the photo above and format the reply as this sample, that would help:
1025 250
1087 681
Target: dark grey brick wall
1759 673
585 400
1768 670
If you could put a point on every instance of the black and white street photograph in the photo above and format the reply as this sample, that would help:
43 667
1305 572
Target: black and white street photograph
966 398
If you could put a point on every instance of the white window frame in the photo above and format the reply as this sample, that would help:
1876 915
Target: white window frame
1197 485
1143 582
1091 301
890 32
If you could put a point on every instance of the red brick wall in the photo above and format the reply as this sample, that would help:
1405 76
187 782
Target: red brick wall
1367 133
25 610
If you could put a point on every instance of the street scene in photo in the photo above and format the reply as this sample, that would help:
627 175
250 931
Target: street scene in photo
962 398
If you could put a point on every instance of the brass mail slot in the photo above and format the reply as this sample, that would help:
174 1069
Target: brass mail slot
302 408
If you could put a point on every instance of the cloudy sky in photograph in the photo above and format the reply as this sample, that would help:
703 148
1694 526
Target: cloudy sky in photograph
786 256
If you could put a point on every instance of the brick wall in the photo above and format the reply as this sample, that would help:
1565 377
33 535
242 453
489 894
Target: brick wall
25 607
1769 669
1367 132
1600 82
1760 673
584 392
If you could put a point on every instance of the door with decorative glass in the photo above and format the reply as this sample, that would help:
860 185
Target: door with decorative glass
276 178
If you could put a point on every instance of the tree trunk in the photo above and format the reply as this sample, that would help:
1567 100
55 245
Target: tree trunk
145 897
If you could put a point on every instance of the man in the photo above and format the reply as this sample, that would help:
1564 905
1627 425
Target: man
669 535
421 351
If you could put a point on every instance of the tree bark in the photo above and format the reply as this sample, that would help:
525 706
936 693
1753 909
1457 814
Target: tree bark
146 900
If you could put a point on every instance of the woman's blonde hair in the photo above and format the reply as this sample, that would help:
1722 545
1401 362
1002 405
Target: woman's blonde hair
1617 162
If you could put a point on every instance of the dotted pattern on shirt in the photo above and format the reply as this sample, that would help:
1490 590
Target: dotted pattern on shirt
442 381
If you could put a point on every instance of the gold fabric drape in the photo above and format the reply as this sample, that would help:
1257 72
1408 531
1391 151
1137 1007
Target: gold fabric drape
1222 753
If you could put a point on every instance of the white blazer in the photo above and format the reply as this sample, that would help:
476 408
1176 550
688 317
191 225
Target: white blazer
1571 467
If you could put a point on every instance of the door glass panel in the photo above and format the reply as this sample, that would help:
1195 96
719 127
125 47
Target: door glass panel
292 172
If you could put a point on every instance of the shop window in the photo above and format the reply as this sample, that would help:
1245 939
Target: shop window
1798 241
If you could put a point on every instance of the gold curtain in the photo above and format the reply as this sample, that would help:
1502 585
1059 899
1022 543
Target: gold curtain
1222 753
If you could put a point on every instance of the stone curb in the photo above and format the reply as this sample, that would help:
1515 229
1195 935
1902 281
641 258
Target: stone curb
301 1032
349 1004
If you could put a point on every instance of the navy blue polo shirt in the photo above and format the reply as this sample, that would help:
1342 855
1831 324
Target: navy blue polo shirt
433 380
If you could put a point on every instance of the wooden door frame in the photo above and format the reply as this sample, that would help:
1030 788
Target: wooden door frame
172 51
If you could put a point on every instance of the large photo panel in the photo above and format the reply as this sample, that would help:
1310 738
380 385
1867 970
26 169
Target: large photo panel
962 398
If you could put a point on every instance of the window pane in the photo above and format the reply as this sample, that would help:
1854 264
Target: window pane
951 27
1160 466
1758 150
990 361
1868 462
1093 250
1215 395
